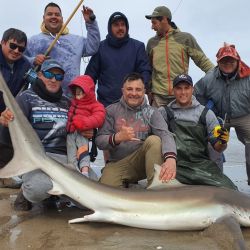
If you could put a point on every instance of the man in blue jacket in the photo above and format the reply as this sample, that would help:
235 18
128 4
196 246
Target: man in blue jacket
13 66
118 55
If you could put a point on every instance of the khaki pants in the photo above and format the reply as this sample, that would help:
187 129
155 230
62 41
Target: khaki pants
136 166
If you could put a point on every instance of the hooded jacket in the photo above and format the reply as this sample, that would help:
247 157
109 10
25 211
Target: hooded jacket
114 60
68 50
86 113
144 119
170 55
230 96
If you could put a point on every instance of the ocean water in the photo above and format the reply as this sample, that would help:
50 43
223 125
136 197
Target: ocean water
234 167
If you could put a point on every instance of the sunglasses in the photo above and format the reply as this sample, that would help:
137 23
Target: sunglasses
13 46
49 75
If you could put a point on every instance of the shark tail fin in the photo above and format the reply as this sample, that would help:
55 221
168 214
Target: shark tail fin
157 184
16 168
28 149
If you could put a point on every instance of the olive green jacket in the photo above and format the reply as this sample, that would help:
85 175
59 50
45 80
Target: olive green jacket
170 56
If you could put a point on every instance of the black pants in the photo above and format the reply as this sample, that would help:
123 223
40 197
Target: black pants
6 154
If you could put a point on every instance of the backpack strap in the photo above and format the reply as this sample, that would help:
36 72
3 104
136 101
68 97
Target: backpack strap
171 120
202 119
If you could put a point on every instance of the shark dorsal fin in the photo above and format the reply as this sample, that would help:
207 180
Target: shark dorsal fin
157 184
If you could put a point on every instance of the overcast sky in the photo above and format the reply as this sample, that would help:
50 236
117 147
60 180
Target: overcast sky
210 22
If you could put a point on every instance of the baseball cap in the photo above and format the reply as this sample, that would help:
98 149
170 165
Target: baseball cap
116 17
227 51
182 78
160 11
50 64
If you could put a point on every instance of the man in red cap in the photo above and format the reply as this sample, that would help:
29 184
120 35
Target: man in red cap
228 87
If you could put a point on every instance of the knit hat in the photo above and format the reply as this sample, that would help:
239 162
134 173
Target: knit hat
160 11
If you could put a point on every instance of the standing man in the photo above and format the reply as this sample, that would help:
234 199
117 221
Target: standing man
137 137
117 56
228 87
169 52
69 49
194 125
13 66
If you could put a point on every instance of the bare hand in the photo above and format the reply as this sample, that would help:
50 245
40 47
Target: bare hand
6 117
40 59
88 133
126 133
168 170
87 12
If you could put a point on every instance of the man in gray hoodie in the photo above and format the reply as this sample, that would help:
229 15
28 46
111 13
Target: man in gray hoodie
137 137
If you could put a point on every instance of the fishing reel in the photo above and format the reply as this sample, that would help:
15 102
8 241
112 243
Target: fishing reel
30 76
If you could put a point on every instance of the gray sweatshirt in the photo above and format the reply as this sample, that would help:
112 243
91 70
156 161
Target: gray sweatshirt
145 121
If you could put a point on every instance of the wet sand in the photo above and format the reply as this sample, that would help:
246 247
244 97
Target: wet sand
49 229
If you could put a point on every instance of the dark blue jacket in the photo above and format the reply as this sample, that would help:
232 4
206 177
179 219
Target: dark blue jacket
114 60
13 78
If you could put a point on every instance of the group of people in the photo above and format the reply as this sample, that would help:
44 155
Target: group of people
173 127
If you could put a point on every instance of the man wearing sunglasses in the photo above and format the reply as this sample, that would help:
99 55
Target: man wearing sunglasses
46 107
13 66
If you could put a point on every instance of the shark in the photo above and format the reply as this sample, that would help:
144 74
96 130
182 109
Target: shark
178 207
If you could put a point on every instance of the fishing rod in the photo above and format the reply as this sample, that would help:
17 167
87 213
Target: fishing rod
32 73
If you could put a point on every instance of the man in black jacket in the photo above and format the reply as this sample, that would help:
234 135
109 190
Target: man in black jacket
13 66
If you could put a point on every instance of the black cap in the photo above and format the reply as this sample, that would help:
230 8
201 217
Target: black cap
182 78
116 17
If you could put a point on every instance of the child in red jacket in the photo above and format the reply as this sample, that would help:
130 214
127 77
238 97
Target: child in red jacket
85 113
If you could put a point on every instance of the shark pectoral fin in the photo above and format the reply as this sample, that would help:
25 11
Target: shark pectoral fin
157 184
56 190
77 220
90 217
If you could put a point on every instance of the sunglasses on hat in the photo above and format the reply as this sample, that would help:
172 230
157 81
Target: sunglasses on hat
13 46
50 75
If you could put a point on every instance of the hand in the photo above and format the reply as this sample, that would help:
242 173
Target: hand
39 59
223 135
168 170
88 133
126 133
88 14
6 117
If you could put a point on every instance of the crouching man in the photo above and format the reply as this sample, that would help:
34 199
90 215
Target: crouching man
194 125
136 137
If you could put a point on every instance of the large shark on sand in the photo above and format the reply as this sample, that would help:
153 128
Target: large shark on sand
175 208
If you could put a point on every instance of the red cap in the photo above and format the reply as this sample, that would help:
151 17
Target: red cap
227 50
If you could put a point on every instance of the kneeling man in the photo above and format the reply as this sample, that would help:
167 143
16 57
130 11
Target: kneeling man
136 137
